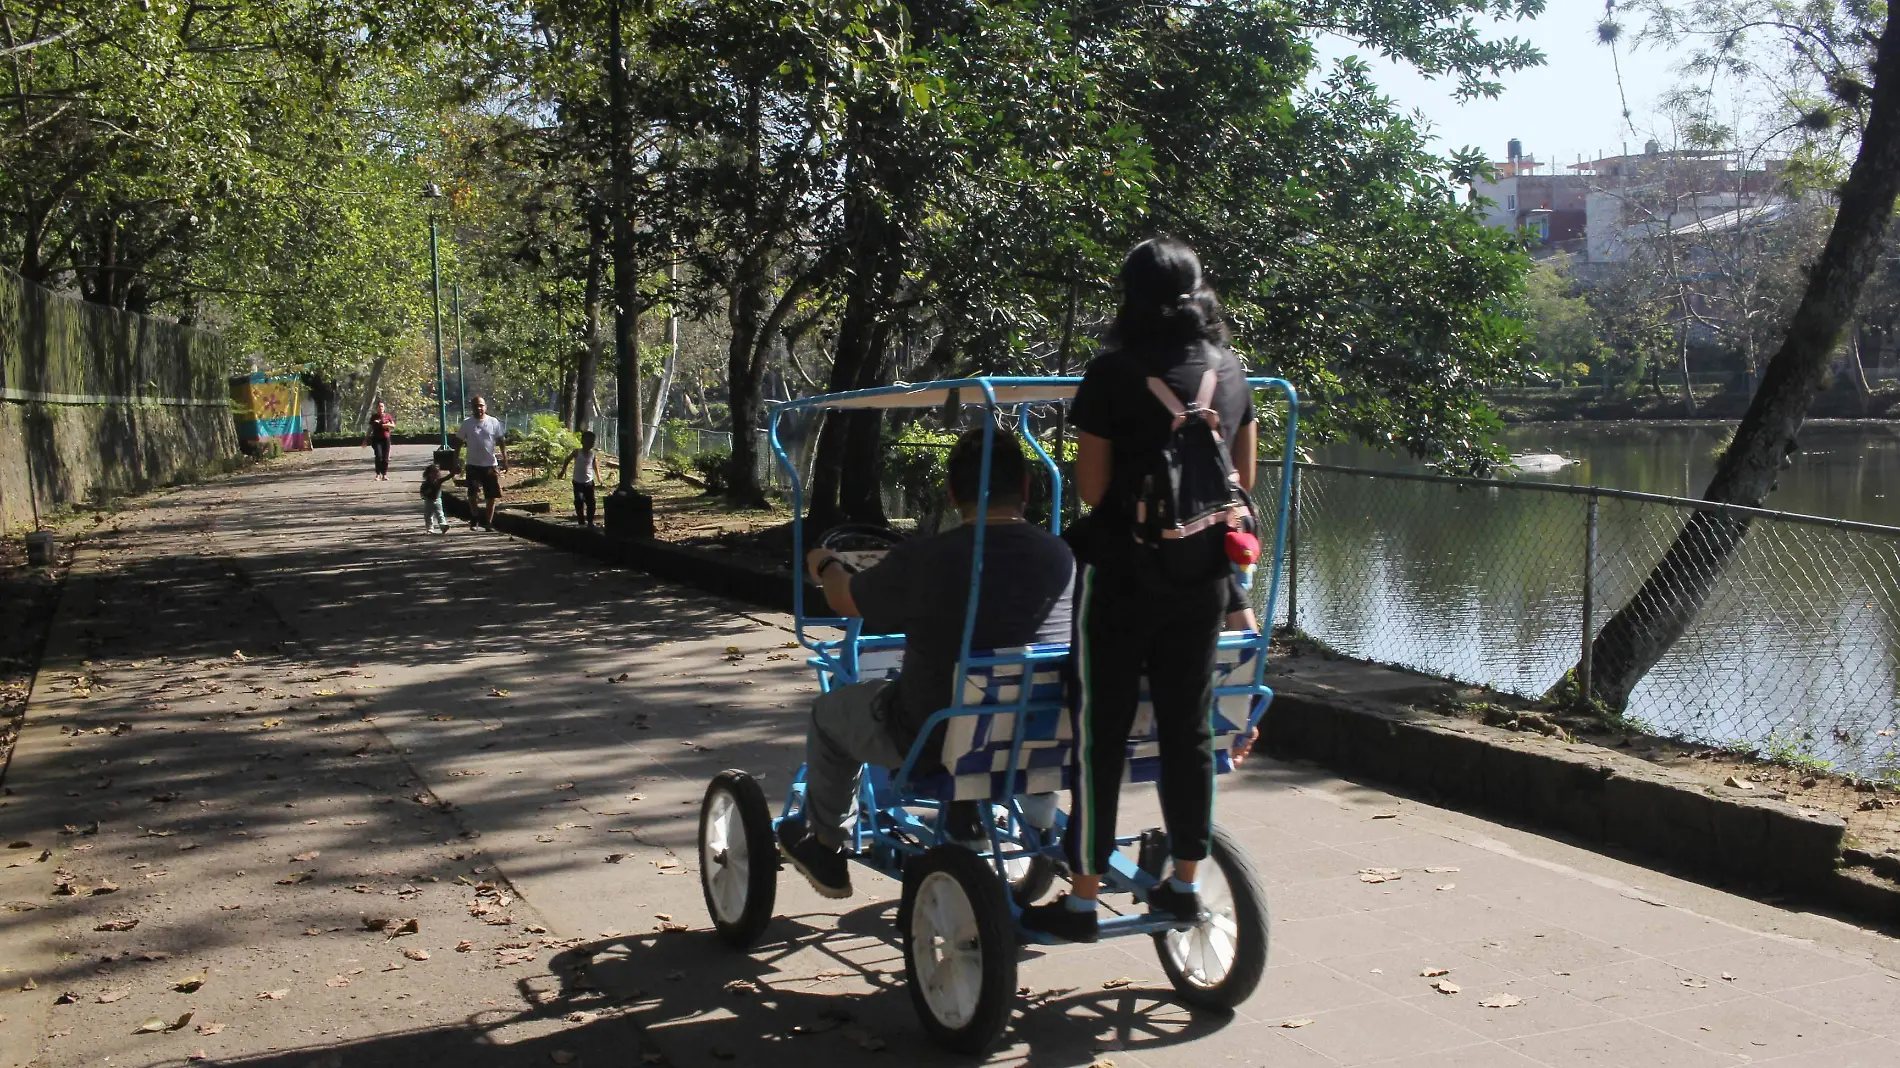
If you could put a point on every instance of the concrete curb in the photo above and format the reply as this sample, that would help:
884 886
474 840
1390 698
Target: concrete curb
1596 794
1603 797
713 572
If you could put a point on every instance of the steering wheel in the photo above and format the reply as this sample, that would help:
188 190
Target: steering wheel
859 545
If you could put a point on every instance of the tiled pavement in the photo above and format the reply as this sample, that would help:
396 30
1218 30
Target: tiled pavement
1611 964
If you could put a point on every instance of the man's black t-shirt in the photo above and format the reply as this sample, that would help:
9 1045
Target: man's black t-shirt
922 588
1114 403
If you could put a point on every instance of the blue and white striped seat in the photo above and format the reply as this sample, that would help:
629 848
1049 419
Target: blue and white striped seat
976 748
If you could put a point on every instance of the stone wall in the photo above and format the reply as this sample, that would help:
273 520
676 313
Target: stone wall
95 402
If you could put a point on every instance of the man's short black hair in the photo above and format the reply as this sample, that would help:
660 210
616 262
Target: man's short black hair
1006 468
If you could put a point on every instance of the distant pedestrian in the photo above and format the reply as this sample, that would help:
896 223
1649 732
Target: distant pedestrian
586 475
487 456
382 426
432 518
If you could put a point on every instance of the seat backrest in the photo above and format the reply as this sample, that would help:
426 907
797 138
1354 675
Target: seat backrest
976 748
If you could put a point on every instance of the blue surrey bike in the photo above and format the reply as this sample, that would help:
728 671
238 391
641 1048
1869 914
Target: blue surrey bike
1006 742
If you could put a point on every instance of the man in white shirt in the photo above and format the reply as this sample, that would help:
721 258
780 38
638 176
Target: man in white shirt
482 434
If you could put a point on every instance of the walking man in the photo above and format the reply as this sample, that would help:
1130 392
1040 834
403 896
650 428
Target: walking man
487 455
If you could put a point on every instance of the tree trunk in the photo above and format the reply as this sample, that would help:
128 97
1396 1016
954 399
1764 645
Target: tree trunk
588 378
1857 373
1640 632
564 401
626 256
323 398
743 370
1682 365
368 403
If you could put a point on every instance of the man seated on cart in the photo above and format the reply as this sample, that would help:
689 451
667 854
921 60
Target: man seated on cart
920 589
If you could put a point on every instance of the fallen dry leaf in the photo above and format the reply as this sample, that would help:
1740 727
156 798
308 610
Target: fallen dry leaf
1433 973
1446 886
1118 983
296 877
409 926
1385 815
1440 870
499 692
107 887
210 1028
190 983
1296 1023
741 987
337 981
304 858
117 925
416 954
1446 986
1501 1001
464 946
107 997
1739 784
273 995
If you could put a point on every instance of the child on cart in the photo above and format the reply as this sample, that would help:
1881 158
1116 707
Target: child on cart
920 590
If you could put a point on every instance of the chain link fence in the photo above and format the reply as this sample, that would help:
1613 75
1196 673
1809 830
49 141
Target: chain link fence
1795 655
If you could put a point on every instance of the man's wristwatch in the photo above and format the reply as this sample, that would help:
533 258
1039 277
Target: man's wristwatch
827 562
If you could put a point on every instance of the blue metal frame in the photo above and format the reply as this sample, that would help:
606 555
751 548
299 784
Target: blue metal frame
889 831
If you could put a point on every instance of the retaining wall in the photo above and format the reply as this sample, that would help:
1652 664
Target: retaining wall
96 402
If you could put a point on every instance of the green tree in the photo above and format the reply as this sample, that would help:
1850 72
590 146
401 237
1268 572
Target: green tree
1834 46
1564 344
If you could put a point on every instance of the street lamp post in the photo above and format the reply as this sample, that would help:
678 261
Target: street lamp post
433 192
461 369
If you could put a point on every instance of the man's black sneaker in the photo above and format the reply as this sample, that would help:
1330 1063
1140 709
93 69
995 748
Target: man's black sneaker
1183 905
825 868
1057 920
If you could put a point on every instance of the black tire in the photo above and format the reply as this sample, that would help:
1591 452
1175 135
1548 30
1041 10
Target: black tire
1250 922
958 1018
738 873
1034 882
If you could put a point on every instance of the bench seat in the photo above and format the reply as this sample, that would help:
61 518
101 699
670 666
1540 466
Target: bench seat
1029 686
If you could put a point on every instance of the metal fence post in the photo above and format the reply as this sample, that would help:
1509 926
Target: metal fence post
1292 553
1589 597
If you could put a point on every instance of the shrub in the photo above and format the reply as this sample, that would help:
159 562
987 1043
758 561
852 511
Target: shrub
711 467
546 442
674 466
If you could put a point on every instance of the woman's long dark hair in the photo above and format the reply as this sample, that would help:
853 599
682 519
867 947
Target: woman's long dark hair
1166 302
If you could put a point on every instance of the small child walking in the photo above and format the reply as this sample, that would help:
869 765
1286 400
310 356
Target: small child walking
432 518
586 474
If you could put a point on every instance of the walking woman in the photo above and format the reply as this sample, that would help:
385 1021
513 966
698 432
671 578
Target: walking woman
381 426
1152 601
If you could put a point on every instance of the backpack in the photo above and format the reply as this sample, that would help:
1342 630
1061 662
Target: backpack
1190 498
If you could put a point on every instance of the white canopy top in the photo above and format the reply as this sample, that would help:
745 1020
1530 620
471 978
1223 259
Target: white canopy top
934 394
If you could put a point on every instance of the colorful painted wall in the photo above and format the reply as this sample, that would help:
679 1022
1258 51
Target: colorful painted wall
95 401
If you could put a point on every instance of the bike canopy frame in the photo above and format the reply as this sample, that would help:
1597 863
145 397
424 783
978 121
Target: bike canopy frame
837 660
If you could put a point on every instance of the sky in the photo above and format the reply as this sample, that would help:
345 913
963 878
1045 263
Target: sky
1562 110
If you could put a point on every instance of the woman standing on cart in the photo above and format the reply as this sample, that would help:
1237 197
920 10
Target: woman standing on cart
1140 612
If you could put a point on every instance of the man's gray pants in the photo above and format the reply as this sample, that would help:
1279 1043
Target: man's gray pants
847 732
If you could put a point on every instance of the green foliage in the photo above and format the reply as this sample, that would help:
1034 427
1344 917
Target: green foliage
713 468
1563 344
546 442
917 464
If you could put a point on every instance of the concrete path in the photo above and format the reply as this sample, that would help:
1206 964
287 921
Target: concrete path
438 727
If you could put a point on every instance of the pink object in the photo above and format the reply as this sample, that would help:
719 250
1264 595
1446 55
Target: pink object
1242 548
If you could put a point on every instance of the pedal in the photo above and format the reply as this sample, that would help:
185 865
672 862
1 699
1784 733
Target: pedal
1151 854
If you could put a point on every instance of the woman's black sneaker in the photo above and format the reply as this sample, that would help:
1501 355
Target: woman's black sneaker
1185 905
825 868
1057 920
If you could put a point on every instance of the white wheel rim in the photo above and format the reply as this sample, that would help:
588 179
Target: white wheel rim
946 950
1204 954
724 863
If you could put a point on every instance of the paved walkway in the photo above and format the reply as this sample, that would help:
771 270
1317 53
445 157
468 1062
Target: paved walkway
431 727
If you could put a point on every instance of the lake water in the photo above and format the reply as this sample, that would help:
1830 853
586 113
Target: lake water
1797 652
